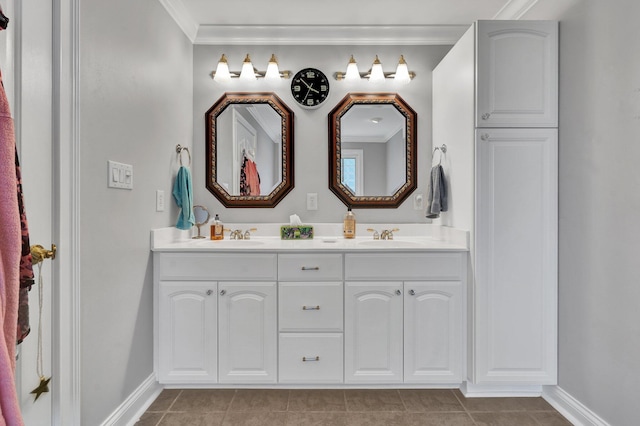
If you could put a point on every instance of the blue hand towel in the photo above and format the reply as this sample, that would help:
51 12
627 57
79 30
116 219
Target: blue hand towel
437 197
183 194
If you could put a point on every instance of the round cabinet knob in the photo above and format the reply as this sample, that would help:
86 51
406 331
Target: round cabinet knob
412 292
485 136
223 292
398 292
209 292
486 116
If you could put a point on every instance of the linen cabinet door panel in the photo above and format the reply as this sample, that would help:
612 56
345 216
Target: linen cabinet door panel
516 256
517 74
247 333
187 332
433 332
373 332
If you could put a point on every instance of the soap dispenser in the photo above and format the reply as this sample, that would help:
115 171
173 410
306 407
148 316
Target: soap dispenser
349 224
217 229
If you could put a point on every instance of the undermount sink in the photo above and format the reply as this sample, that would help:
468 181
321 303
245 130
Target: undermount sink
390 243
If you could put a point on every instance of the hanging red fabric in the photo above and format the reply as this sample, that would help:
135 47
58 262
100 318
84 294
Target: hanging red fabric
10 254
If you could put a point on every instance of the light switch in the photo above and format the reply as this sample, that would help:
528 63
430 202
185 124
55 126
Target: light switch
119 175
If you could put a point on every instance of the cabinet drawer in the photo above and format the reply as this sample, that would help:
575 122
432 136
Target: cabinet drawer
310 267
310 358
217 266
315 306
404 266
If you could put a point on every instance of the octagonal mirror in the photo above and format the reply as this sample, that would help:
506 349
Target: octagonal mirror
372 150
249 150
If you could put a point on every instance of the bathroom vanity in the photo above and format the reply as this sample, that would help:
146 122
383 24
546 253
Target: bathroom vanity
326 312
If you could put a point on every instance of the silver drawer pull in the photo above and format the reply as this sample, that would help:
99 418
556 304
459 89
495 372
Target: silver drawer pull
311 308
310 268
305 359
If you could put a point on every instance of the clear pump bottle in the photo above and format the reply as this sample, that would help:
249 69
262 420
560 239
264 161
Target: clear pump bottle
349 225
217 229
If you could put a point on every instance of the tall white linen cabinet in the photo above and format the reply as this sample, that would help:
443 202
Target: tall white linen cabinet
495 106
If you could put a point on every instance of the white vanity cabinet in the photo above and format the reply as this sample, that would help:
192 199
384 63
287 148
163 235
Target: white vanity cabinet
215 317
310 318
409 330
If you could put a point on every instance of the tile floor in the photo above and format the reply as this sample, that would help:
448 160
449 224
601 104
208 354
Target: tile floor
352 407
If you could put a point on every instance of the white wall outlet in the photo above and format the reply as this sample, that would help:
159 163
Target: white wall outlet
120 175
312 201
418 202
159 200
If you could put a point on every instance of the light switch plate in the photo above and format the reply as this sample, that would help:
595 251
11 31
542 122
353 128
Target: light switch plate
120 175
312 201
159 200
418 202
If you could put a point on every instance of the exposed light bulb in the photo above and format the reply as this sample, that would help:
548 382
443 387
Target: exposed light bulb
352 70
247 73
377 75
222 71
402 72
273 73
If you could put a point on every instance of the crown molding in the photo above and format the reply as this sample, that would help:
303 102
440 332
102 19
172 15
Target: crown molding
246 35
515 9
329 34
181 15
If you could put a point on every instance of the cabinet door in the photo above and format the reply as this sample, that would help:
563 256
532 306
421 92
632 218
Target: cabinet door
248 334
187 330
517 74
433 332
515 298
373 332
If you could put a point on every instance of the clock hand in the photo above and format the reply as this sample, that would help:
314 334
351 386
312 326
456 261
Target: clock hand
305 83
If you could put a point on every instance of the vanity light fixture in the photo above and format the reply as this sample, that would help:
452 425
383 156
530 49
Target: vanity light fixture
248 72
402 72
352 71
222 71
376 74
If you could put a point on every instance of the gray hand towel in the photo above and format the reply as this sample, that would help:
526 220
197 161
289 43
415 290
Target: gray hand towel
437 194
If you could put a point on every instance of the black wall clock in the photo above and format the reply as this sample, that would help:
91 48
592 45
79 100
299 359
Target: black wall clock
310 87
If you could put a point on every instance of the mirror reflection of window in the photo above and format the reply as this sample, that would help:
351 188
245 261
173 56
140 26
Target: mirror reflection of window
353 170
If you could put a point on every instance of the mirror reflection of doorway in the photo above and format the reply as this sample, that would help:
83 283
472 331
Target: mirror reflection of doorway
245 141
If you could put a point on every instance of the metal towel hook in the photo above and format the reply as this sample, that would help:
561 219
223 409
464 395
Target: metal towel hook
179 149
442 149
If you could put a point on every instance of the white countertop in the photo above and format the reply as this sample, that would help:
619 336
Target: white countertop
327 237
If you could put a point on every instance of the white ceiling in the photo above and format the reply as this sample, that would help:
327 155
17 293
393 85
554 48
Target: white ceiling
336 21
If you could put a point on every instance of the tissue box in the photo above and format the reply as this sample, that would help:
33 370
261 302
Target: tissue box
301 232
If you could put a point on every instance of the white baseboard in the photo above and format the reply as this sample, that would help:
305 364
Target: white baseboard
471 390
576 412
129 412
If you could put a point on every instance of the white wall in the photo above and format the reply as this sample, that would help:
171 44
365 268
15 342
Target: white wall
599 226
311 126
136 105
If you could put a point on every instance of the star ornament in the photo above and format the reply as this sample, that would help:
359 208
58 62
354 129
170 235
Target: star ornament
42 387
